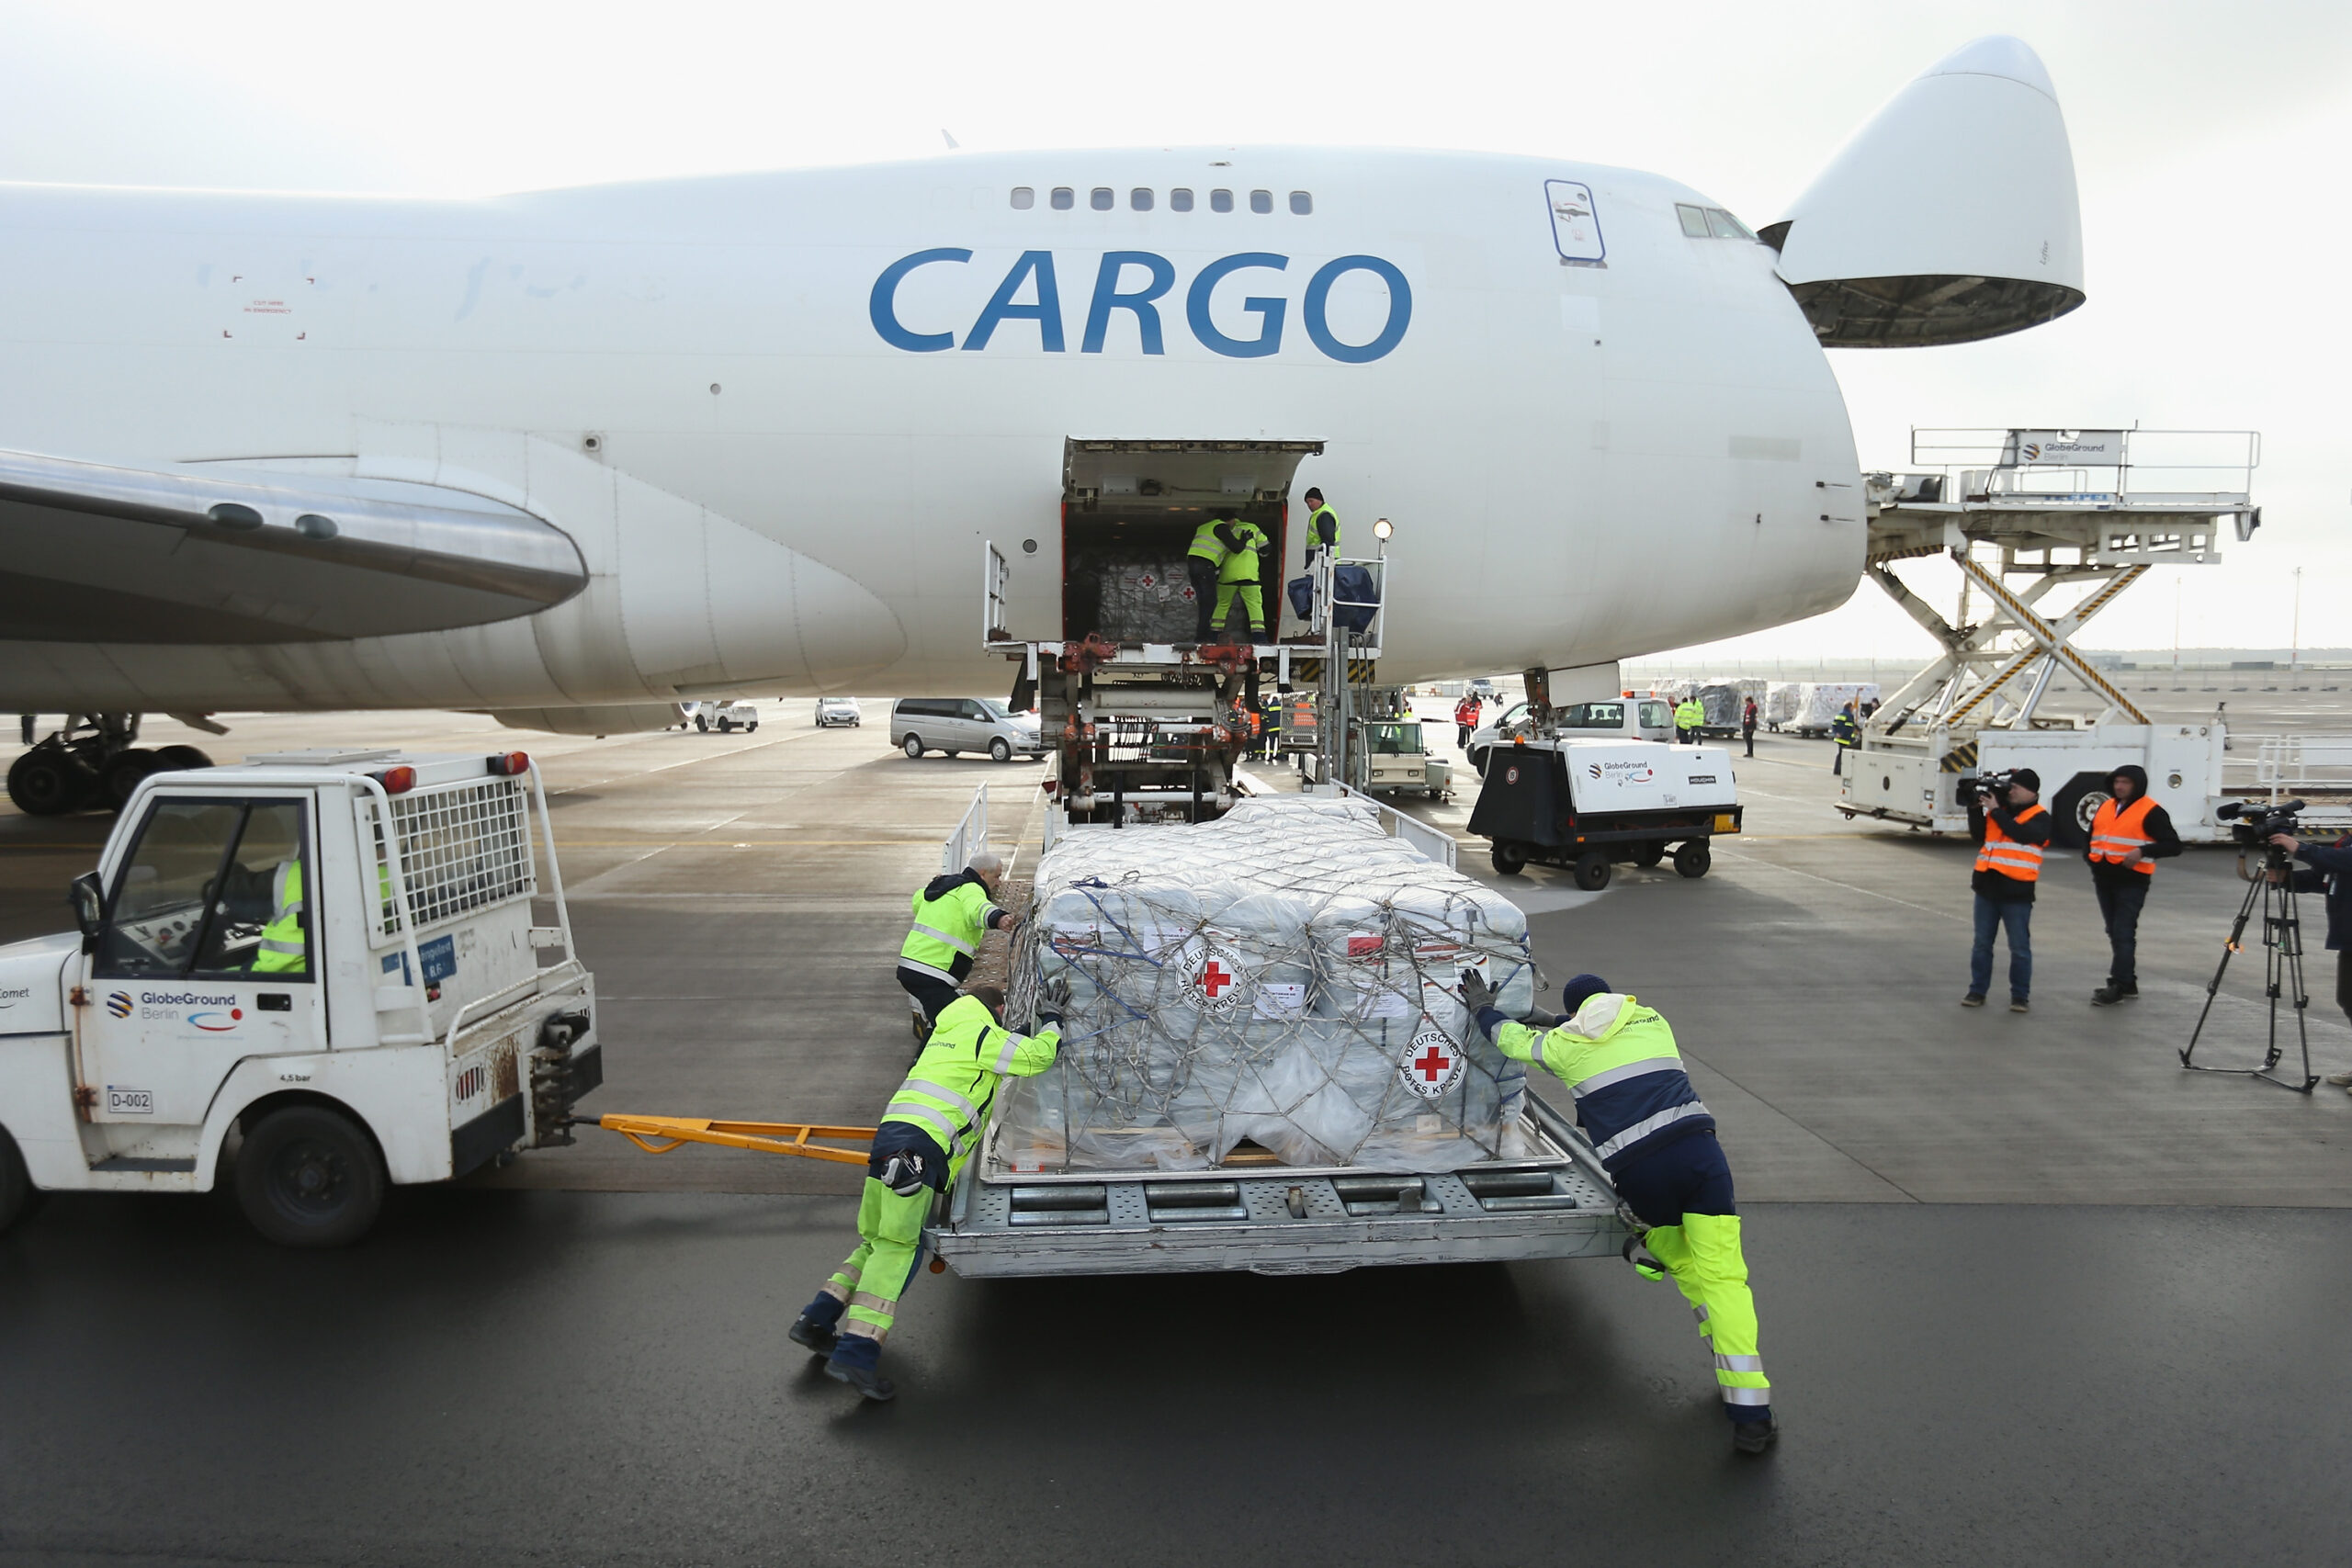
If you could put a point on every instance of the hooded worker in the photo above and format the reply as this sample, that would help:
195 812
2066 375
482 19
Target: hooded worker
929 1128
2129 834
952 913
1657 1140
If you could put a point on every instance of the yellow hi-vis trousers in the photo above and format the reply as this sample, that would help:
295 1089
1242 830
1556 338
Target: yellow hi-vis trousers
1253 604
872 1278
1702 1255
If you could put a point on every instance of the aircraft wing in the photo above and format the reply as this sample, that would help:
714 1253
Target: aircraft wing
95 553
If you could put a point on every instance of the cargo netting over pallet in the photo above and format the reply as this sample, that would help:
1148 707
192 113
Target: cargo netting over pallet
1288 974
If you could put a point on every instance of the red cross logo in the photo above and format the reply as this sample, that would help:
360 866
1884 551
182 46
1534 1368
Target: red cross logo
1214 978
1433 1064
1217 984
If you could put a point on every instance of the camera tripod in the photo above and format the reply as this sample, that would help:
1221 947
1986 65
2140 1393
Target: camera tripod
2282 968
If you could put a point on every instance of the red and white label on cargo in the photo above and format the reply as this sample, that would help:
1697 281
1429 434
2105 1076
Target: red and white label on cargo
1433 1064
1212 978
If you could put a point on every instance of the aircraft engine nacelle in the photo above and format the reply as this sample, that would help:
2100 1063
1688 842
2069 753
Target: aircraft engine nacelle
1951 215
618 718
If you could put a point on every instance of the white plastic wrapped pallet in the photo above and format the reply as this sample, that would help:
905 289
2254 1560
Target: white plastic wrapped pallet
1289 974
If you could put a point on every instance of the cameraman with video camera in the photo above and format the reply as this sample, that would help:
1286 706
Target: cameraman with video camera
2011 829
2328 866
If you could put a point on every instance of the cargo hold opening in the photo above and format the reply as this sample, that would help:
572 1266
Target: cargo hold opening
1129 509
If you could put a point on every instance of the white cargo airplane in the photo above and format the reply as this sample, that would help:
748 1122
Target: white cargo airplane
573 457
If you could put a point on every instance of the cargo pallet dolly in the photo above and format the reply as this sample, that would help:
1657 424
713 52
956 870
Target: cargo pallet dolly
1272 1220
2022 514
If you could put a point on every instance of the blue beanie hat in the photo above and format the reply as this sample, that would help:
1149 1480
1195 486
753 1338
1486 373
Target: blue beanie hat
1580 990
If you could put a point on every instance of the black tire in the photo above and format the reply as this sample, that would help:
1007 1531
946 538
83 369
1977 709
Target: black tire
1478 759
750 726
2073 807
702 724
175 758
1693 858
913 747
1509 856
999 751
726 726
19 1196
308 1177
1649 854
47 781
123 774
1592 871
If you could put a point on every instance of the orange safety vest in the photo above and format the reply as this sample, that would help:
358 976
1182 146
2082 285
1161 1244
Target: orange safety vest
2007 856
2116 833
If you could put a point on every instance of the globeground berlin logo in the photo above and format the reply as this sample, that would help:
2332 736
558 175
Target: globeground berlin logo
119 1004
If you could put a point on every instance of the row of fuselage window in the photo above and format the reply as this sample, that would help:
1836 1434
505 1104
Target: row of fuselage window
1102 198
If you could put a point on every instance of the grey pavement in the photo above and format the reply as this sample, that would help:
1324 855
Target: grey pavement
2030 1293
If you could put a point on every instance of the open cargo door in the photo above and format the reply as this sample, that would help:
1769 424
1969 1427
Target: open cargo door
1129 509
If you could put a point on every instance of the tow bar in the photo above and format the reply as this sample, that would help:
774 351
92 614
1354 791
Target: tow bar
661 1134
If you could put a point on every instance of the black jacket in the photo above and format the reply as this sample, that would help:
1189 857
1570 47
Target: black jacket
2330 867
2165 842
1996 884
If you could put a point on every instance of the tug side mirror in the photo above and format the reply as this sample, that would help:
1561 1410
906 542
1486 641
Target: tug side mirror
89 906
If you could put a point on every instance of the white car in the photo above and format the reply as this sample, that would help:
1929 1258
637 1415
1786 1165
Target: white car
727 716
838 710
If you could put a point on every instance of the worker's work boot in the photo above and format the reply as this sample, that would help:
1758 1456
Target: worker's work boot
819 1337
2019 1004
1973 1000
1755 1437
2106 995
856 1362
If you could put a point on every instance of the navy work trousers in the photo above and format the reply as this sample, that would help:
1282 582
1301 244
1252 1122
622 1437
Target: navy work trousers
2119 901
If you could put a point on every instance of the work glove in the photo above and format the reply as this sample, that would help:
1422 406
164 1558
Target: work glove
1538 1018
1477 994
1053 1001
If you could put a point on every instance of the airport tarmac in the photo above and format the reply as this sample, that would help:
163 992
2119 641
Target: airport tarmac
2030 1293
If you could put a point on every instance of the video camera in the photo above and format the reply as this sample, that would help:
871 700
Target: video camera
1993 786
2253 822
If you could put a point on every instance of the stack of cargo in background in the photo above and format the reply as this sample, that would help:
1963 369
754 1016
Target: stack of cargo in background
1817 703
1287 974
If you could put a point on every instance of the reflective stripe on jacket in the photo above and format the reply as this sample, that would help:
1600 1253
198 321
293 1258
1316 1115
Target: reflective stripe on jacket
2115 834
1619 1060
2015 860
1241 566
952 1087
1206 545
281 939
949 923
1845 731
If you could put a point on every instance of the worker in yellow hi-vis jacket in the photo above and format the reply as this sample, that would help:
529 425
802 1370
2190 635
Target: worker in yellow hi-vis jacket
933 1124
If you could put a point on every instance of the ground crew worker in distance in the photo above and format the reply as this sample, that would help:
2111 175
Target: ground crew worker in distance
1213 543
1322 527
2011 834
1657 1140
2129 834
1465 719
952 913
1747 725
930 1127
1243 573
1847 731
1689 717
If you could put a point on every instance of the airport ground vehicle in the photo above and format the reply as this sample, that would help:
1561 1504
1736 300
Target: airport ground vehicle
1611 719
312 975
2024 514
957 725
1397 757
833 711
1591 803
727 716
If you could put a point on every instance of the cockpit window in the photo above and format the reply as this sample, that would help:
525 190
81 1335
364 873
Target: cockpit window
1724 226
1695 219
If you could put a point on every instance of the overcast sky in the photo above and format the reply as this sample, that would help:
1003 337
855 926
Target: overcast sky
2210 144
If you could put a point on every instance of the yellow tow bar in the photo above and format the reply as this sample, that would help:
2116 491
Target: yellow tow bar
660 1134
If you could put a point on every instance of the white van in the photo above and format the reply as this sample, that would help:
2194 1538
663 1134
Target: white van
1611 719
955 725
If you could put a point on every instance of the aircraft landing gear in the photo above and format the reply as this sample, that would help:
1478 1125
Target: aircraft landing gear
93 762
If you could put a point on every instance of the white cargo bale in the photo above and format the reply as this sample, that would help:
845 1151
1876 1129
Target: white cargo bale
1287 974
